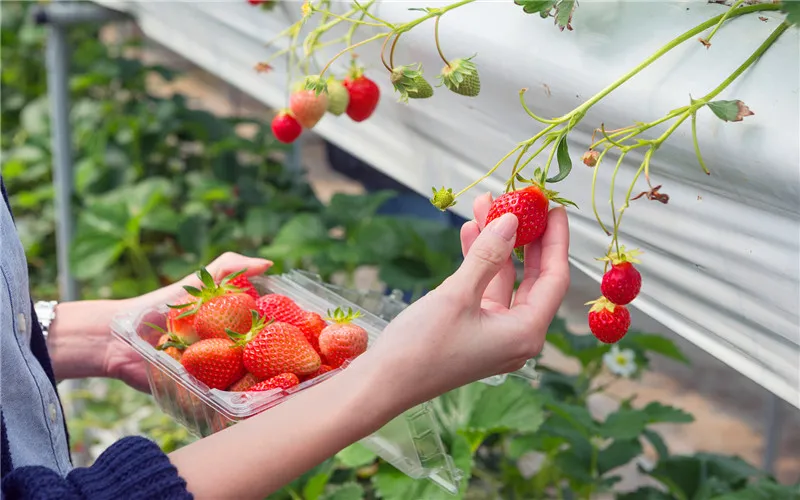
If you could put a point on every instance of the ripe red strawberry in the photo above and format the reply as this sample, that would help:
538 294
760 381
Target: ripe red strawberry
219 307
280 348
311 324
182 326
228 312
244 383
244 285
215 362
282 381
607 321
285 127
322 369
280 308
364 95
308 107
277 307
621 284
342 340
531 206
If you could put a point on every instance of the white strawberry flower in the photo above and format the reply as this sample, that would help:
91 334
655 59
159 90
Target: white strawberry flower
620 362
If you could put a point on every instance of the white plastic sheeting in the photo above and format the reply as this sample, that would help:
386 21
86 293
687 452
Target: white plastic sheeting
722 259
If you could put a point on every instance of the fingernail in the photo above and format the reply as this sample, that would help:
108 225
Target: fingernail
505 226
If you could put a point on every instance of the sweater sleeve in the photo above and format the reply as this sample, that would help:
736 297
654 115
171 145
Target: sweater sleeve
132 468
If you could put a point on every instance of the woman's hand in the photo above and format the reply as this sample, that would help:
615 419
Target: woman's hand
465 330
473 325
80 340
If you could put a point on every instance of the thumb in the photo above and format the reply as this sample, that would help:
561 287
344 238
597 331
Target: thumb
487 254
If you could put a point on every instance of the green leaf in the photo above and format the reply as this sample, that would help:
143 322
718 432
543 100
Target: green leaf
564 161
299 236
578 417
161 218
92 253
730 111
575 466
262 222
645 493
348 209
792 9
658 443
617 454
193 235
564 11
356 455
391 484
624 424
654 343
513 405
764 489
657 412
536 6
684 476
347 491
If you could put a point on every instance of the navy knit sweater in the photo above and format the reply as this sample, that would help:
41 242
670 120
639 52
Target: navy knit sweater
132 468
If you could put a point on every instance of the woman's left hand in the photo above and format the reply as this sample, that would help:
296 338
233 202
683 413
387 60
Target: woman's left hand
80 341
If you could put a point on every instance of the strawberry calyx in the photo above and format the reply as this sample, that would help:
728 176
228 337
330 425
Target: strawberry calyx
355 71
210 289
548 193
409 83
623 255
456 72
315 83
601 304
258 324
174 340
443 198
341 316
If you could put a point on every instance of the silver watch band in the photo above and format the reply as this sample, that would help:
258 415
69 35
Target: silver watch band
46 313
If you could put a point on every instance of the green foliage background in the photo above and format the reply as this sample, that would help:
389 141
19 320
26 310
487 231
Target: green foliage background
162 187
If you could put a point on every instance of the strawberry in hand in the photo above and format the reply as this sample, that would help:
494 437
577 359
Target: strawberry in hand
531 205
215 362
342 340
277 348
219 307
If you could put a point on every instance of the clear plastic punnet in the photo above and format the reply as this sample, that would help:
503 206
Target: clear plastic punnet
411 442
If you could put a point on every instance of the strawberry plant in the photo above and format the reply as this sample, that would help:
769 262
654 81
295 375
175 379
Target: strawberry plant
549 144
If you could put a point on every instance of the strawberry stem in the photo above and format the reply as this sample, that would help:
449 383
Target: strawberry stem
436 39
391 51
383 57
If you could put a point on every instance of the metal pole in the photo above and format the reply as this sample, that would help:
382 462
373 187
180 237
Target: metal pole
773 425
58 55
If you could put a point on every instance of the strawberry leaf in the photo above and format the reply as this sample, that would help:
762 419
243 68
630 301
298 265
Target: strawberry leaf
564 11
536 6
730 111
564 161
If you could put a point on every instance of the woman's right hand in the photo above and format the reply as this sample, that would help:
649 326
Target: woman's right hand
473 325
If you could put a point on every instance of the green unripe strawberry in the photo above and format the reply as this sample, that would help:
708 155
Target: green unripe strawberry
338 97
461 76
421 88
410 83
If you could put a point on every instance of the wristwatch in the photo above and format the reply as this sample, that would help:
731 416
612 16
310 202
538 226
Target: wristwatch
46 313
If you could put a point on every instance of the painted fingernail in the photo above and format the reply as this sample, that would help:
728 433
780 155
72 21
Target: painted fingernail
505 226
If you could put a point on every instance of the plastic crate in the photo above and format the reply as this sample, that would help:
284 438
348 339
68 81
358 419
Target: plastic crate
411 442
